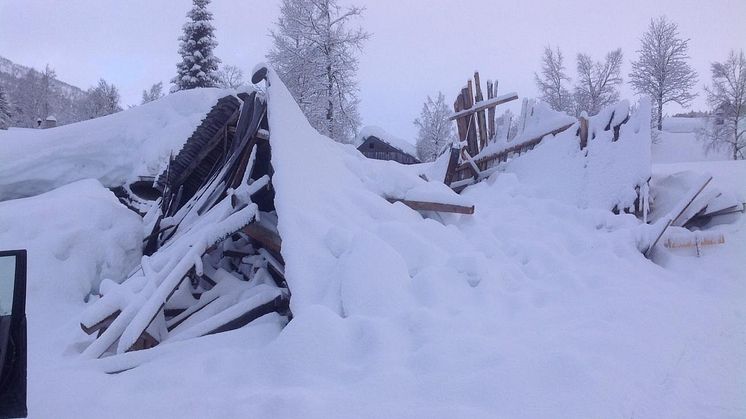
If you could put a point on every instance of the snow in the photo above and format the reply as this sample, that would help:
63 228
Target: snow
678 143
113 149
534 306
383 135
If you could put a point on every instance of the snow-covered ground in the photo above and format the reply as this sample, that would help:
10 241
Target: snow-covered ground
530 308
678 142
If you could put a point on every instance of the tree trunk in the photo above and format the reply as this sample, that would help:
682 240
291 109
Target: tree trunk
660 113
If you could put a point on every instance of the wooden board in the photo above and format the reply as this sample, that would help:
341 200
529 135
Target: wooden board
434 206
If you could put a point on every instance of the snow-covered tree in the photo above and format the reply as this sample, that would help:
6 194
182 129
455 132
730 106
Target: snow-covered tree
553 81
154 93
313 52
198 66
102 100
230 77
597 82
727 97
5 113
435 130
661 71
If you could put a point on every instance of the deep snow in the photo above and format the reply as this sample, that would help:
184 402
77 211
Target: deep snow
532 307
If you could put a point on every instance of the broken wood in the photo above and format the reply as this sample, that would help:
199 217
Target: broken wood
264 236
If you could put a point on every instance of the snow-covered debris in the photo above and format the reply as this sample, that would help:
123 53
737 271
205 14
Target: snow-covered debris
114 149
607 174
383 135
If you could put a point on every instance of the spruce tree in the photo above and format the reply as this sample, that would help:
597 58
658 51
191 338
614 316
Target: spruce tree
4 109
199 66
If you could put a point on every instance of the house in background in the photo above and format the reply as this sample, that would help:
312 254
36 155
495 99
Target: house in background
375 143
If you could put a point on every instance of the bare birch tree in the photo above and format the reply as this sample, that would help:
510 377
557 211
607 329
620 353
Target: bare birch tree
598 82
661 70
435 130
553 81
727 97
314 53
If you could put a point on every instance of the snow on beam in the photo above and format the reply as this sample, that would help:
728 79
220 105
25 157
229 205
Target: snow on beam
480 106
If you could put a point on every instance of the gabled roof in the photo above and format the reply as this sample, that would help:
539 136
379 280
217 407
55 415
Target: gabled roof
383 135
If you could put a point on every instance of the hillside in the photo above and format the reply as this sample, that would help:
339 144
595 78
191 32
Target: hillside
24 88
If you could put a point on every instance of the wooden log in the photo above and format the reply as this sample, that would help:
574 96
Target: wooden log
481 118
434 206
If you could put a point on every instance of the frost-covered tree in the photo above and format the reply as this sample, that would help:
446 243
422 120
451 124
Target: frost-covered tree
102 100
314 53
5 113
198 66
597 82
553 81
661 70
727 97
435 130
154 93
230 77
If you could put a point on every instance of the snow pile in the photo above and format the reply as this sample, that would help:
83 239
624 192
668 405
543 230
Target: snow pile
113 149
63 231
383 135
603 175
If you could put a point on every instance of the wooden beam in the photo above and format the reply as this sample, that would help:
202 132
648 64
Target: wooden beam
452 165
484 105
101 325
434 206
471 123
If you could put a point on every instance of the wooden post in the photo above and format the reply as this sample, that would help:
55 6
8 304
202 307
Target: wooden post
583 132
490 112
471 121
452 164
458 106
481 118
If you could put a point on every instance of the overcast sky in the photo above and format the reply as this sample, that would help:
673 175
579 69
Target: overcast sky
417 47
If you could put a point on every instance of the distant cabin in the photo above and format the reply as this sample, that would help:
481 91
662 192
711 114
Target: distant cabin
377 144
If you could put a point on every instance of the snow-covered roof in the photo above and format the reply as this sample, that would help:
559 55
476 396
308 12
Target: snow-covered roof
113 149
383 135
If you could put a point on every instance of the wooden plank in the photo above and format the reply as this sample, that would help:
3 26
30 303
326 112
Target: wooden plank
434 206
264 236
583 132
101 325
481 118
452 164
685 203
484 105
458 106
471 123
491 93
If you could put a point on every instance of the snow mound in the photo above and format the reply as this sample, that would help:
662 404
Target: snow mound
113 149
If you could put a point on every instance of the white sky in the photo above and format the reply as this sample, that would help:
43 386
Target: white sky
417 48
